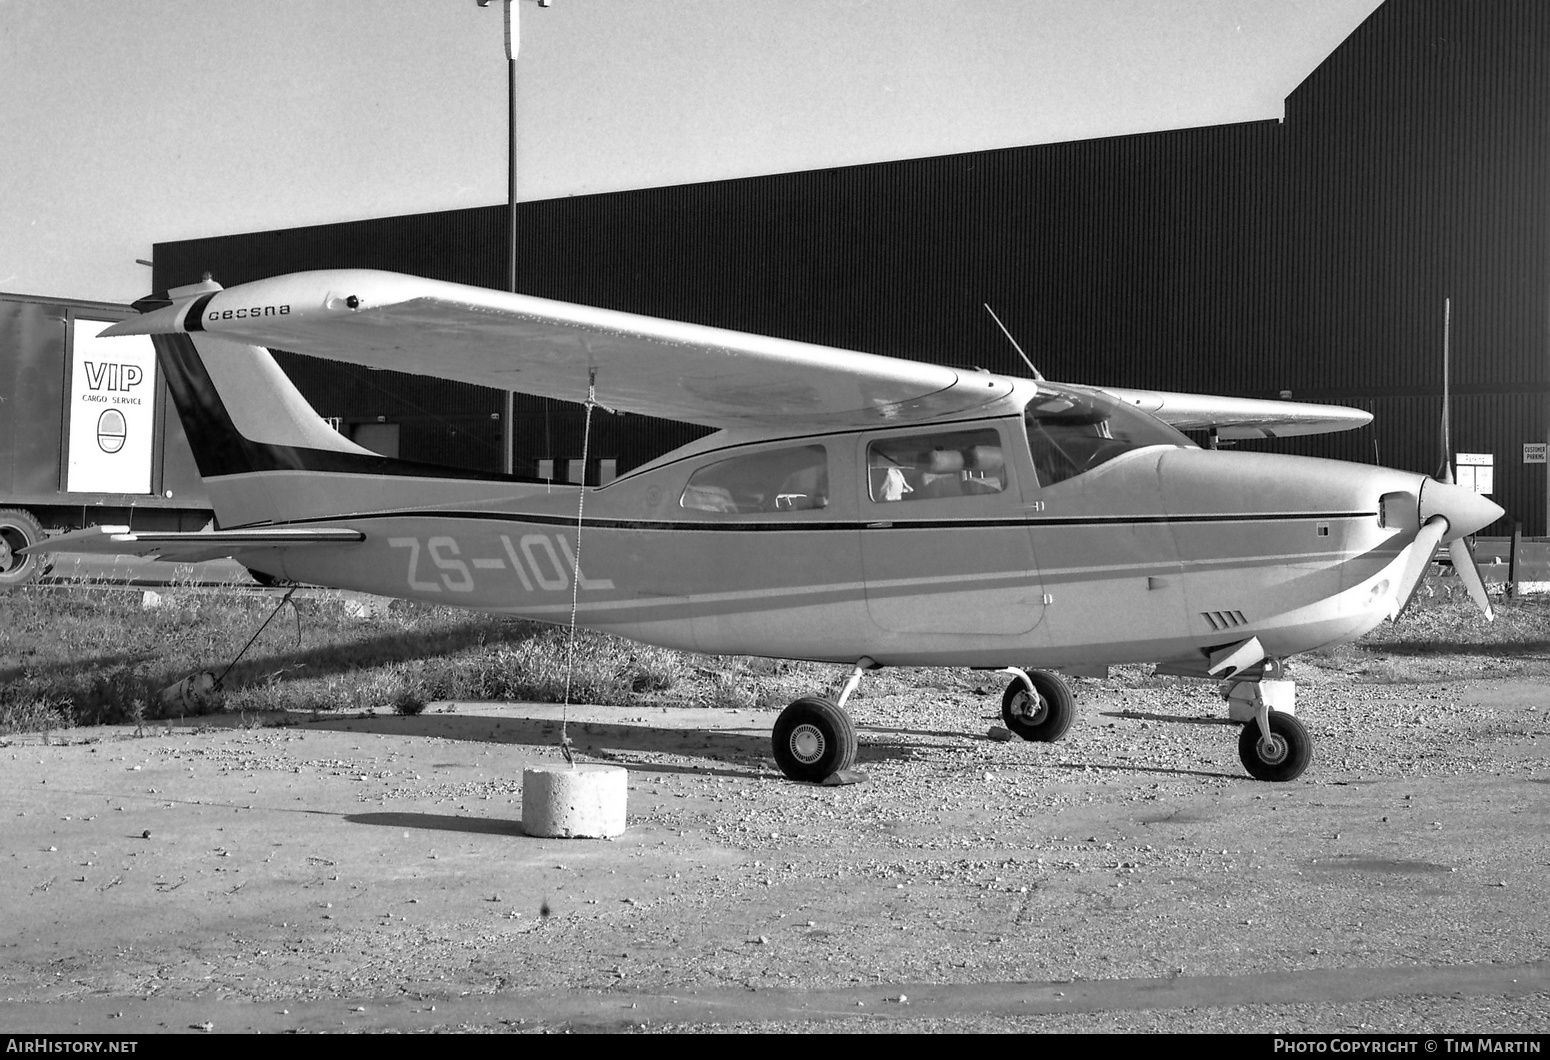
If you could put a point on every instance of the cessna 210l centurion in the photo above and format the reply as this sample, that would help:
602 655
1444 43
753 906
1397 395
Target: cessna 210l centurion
851 508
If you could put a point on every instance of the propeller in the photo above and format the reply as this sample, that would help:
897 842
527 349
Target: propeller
1421 551
1449 513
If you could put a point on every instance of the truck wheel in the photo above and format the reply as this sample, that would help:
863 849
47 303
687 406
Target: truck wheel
18 530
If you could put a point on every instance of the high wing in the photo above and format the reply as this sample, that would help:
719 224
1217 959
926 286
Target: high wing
641 364
190 546
655 367
1242 417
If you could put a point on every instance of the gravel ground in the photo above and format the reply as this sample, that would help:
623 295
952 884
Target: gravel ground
369 872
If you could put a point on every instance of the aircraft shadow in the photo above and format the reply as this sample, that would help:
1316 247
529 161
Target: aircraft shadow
950 734
1441 647
1111 768
318 661
737 754
1141 715
601 741
107 662
440 822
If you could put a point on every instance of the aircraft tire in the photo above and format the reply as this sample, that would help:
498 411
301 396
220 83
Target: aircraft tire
1043 717
1292 753
813 738
18 530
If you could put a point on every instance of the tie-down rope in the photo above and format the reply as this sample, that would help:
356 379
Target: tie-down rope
575 581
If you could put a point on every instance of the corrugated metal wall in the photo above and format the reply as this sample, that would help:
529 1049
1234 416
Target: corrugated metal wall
1310 256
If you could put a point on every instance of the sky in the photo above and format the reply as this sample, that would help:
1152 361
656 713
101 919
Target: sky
130 122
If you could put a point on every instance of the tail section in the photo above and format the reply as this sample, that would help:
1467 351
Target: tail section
265 454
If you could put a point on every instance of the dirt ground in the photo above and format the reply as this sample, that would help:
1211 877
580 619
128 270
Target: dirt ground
370 873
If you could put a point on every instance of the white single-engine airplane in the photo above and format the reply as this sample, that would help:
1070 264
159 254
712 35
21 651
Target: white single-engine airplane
851 508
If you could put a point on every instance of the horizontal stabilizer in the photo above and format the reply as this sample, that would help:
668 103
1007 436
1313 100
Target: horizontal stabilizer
1234 417
192 546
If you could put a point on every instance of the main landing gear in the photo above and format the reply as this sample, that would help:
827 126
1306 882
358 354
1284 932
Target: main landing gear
1037 705
814 738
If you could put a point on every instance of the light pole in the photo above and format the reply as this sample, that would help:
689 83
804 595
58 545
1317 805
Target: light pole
513 45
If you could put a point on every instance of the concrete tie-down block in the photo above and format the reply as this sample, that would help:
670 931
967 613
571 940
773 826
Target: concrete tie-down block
581 801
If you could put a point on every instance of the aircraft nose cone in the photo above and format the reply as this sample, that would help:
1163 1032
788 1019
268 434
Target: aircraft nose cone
1465 510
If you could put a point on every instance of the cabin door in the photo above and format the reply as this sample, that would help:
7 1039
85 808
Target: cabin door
945 546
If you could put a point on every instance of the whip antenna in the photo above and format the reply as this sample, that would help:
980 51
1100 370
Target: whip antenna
1013 341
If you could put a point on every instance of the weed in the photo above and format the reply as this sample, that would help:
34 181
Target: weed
40 714
408 704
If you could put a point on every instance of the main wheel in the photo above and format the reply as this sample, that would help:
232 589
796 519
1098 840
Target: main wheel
814 738
1284 756
18 530
1043 715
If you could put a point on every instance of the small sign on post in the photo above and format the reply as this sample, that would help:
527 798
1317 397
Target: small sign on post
1476 471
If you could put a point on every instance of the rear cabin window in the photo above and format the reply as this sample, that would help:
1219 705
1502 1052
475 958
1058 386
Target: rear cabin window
941 464
778 480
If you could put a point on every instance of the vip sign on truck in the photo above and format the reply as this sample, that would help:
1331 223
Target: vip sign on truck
112 413
87 432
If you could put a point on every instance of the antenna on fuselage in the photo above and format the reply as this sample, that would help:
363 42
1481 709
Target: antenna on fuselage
1013 341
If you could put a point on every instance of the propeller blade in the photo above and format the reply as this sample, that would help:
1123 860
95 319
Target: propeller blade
1421 551
1464 564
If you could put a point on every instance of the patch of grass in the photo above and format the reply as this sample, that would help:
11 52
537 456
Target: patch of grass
89 655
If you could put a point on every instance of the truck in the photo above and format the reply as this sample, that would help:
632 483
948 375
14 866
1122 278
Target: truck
88 434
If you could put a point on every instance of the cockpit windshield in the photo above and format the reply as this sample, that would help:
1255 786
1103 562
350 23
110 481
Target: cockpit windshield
1072 431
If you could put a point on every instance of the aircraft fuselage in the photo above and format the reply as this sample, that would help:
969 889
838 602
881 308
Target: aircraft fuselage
813 547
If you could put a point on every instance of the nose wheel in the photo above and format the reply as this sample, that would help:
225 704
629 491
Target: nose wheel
1280 755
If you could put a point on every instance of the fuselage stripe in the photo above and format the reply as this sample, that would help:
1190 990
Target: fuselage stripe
1030 522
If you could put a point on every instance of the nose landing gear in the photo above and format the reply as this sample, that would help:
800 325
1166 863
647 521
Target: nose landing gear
1275 748
1273 745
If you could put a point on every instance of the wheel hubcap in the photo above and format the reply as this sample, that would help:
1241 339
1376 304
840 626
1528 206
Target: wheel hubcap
807 744
1272 752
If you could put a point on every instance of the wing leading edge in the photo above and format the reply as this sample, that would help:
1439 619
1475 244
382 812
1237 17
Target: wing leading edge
1242 417
642 364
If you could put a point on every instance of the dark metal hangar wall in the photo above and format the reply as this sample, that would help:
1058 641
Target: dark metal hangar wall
1310 255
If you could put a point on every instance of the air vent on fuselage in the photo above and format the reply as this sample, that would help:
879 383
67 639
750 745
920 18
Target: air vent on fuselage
1225 619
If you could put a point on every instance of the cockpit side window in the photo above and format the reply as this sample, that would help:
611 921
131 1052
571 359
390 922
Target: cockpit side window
941 464
1072 431
777 480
